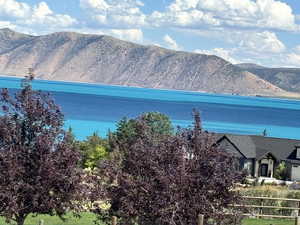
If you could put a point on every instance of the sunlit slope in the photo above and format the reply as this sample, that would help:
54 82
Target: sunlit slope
103 59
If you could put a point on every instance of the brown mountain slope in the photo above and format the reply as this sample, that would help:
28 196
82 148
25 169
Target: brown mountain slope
285 78
103 59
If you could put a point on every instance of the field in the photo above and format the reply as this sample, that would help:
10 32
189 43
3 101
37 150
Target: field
268 222
88 218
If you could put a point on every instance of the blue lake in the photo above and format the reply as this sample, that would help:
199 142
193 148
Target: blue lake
90 107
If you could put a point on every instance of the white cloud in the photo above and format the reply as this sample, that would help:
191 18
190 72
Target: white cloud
192 18
263 48
23 14
254 42
12 8
171 43
293 59
43 15
226 54
133 35
297 49
115 13
7 24
260 42
271 14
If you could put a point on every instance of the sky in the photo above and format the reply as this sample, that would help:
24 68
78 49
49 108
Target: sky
265 32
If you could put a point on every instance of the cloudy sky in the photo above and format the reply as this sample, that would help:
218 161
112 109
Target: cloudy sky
265 32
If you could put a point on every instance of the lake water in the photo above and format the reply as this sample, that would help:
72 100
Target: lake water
90 107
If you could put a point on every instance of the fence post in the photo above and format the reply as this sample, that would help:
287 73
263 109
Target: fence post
201 219
41 222
114 220
261 209
297 220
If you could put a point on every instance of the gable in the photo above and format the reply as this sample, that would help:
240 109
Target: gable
280 148
251 146
229 147
294 155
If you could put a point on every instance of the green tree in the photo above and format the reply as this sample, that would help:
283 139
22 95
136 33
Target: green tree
158 123
93 150
158 126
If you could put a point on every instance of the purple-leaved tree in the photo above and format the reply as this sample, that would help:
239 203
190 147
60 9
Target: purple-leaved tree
170 181
39 167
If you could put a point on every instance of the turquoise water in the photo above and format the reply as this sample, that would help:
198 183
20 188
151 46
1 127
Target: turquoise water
89 108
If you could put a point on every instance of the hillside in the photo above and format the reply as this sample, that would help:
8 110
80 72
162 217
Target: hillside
103 59
285 78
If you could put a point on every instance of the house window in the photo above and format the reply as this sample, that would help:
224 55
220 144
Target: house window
298 152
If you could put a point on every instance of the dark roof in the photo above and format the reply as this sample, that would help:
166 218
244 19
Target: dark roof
293 157
258 146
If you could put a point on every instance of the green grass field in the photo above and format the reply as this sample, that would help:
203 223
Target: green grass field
268 222
88 218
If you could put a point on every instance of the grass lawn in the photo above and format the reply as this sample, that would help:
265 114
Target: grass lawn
88 218
268 222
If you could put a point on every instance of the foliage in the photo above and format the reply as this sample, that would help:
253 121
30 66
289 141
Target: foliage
157 124
281 171
93 150
39 166
171 181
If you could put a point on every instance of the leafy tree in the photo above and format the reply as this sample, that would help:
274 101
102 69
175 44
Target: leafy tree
157 124
38 164
93 150
169 182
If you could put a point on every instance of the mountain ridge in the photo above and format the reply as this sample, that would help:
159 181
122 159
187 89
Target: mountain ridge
285 78
71 56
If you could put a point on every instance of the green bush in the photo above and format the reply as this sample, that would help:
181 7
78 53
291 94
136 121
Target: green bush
281 171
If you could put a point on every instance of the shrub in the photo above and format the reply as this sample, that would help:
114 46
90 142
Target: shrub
281 171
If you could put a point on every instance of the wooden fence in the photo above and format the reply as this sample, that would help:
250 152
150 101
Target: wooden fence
259 209
200 220
256 208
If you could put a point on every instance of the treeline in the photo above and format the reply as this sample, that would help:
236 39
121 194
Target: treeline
95 148
143 173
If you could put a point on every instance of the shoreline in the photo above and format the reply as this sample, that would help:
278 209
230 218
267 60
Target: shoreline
257 96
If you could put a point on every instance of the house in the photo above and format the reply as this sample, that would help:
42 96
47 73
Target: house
260 155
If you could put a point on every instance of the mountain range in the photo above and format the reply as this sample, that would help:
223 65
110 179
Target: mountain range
70 56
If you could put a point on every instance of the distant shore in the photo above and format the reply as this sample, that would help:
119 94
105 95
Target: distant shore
290 96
